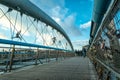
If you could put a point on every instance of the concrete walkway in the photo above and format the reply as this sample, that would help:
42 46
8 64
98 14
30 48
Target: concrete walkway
77 68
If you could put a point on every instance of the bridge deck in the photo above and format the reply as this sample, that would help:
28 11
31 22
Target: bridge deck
77 68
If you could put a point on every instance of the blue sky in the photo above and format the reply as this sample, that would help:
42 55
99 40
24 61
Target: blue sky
74 16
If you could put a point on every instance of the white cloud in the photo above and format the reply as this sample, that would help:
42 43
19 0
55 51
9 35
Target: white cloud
82 42
85 25
47 38
69 26
57 19
3 36
46 5
61 15
58 12
79 43
5 25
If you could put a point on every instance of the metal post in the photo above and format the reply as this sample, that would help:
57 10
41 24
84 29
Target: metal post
11 59
57 54
60 55
65 55
37 54
49 56
46 55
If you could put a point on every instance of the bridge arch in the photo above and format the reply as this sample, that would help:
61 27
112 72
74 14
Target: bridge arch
28 8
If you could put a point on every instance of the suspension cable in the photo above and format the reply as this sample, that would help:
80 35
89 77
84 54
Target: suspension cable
15 24
36 35
55 37
10 27
61 42
47 30
44 41
44 31
21 23
12 24
3 14
38 31
27 27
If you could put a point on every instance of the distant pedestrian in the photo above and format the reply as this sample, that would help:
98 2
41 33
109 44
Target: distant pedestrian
84 52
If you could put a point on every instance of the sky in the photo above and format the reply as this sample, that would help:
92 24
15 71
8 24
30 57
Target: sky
74 16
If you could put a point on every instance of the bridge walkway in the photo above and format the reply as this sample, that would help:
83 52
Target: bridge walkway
76 68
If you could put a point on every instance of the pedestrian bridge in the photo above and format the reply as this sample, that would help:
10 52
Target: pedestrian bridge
35 47
76 68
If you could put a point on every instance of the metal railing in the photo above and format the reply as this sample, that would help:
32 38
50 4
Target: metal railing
23 54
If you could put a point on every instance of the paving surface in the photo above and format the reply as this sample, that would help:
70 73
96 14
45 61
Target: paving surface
77 68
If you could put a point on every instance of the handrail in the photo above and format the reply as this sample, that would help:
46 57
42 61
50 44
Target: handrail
10 42
109 68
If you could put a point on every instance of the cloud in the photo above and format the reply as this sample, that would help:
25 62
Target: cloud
45 5
69 26
61 15
67 22
57 20
3 36
79 43
47 38
59 12
85 25
5 25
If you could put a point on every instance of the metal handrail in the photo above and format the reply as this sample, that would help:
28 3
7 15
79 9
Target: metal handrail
109 68
10 42
103 20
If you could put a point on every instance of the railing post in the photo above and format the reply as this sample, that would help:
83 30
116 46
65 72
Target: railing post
11 59
46 56
49 56
57 54
37 54
65 53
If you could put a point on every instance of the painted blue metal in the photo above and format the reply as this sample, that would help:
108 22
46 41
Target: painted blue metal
10 42
28 8
109 10
100 8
